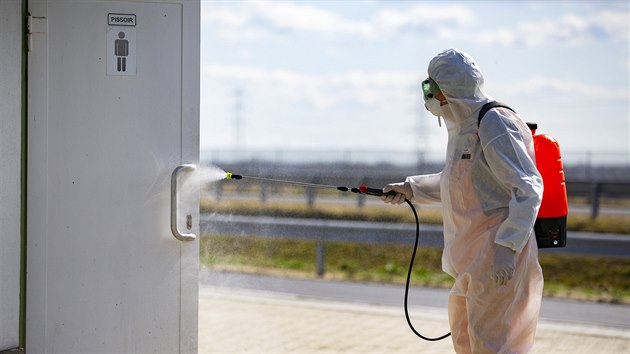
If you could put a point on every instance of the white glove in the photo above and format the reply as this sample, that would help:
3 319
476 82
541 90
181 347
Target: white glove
402 189
503 265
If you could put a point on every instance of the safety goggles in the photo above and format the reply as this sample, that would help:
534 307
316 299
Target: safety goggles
429 88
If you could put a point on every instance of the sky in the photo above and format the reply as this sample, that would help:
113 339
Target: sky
345 75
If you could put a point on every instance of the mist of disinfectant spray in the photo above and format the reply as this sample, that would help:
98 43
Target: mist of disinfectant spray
211 173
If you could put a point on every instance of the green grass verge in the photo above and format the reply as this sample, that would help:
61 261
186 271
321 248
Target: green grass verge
578 277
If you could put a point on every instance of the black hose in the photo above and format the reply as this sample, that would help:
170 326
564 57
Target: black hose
413 256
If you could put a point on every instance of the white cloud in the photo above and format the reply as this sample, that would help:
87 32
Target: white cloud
569 90
230 23
568 29
322 92
447 22
300 17
302 105
259 18
376 90
388 92
423 17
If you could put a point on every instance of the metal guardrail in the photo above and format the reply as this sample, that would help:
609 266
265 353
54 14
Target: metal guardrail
593 190
324 231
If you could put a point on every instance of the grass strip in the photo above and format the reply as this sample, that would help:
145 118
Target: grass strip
599 279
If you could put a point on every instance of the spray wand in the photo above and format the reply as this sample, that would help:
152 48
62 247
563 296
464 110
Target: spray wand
362 189
229 175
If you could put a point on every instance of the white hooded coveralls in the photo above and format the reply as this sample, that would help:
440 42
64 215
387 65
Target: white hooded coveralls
490 191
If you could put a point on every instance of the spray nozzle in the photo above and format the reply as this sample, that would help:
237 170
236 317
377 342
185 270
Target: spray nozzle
361 189
229 175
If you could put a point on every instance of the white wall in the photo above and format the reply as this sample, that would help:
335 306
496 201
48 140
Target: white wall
10 140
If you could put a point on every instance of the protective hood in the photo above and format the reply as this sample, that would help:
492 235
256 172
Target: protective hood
461 81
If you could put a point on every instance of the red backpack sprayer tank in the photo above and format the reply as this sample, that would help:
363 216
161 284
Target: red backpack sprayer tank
551 223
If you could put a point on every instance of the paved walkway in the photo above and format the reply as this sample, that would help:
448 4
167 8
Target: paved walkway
238 321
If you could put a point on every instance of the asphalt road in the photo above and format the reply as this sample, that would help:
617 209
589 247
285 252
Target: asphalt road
378 232
556 310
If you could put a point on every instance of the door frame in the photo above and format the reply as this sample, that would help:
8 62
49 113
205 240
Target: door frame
12 137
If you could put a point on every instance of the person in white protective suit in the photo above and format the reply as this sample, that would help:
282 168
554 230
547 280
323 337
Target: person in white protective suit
490 192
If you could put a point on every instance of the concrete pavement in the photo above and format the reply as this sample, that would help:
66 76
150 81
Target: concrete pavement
249 321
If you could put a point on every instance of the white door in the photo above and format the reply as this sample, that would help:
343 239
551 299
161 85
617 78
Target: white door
113 110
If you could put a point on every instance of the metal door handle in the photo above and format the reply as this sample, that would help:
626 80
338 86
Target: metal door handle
175 203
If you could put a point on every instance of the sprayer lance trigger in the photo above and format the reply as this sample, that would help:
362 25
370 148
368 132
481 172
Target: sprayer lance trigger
363 189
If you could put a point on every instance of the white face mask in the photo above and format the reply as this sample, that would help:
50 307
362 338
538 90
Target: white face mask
434 106
431 103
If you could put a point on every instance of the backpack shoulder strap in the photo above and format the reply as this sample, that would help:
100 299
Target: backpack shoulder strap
488 106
